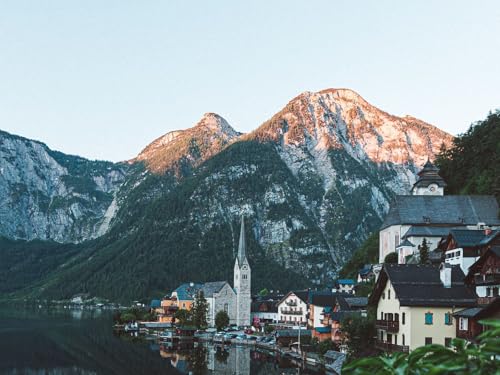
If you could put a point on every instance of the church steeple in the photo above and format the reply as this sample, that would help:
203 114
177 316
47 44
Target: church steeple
242 281
429 181
242 246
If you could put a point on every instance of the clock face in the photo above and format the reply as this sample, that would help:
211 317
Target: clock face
432 188
244 268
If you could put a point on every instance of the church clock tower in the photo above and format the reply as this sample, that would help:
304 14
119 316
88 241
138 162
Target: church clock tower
242 281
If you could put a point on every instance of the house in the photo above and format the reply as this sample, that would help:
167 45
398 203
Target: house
345 286
428 207
484 276
468 326
292 309
167 310
366 274
264 311
318 303
415 304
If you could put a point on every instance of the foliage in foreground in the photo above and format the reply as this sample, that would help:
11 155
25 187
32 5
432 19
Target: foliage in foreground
463 358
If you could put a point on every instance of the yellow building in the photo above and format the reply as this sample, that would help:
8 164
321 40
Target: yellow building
415 305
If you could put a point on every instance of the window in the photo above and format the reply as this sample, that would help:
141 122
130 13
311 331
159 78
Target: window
463 324
396 317
396 240
428 340
226 307
395 339
448 319
428 318
381 315
389 294
244 277
495 291
403 339
383 295
403 319
447 342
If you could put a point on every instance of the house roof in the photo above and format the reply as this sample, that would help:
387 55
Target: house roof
429 174
356 301
336 360
422 231
264 306
481 312
346 281
323 329
487 239
406 242
323 300
187 291
155 303
448 210
467 237
420 285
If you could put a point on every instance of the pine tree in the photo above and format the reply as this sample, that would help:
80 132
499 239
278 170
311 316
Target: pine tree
200 310
424 252
221 320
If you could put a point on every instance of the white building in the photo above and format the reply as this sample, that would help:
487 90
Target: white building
242 282
429 214
415 305
292 309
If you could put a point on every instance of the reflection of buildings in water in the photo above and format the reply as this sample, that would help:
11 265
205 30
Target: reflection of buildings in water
232 360
177 359
77 314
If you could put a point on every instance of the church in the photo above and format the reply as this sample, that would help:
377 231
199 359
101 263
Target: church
427 212
220 296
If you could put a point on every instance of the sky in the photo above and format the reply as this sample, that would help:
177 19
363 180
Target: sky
102 79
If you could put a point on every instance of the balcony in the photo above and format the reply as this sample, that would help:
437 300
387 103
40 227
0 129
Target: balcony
291 303
487 279
486 300
291 312
386 347
388 325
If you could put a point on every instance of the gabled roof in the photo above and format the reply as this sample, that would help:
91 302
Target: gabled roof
210 288
488 238
450 210
356 302
303 295
420 285
481 312
323 300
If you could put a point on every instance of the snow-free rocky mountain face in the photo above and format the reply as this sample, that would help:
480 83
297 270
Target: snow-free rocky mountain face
313 182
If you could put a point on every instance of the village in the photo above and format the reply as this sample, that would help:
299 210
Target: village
437 278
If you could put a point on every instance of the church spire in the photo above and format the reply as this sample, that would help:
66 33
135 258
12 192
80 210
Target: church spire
242 247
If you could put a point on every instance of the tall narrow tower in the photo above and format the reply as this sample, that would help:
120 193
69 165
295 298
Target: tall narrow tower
242 281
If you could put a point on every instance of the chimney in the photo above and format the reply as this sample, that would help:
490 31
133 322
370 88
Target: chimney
445 274
487 231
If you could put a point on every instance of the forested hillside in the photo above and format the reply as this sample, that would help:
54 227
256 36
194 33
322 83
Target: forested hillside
472 164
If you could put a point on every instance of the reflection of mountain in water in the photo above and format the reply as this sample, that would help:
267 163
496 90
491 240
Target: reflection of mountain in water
44 345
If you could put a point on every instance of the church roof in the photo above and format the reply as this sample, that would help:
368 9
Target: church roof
429 175
242 246
451 210
210 288
420 231
406 242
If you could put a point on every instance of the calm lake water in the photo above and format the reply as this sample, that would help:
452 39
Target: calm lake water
82 342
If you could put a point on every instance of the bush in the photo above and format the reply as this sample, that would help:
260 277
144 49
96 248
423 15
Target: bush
391 258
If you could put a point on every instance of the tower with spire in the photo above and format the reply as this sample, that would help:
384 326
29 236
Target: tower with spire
429 181
242 281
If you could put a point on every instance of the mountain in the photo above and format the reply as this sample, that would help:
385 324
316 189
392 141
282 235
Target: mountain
181 150
312 182
46 194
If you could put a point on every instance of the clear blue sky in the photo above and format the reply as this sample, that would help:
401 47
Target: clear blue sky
103 78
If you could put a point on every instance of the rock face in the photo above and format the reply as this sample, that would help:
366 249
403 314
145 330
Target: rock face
49 195
181 150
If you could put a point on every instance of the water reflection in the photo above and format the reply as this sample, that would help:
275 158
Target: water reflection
82 342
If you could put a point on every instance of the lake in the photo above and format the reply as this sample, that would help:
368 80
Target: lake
80 342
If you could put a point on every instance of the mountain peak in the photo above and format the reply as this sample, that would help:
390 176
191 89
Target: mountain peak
216 123
179 149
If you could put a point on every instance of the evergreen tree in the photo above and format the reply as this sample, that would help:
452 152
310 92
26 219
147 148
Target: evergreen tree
183 317
424 252
221 320
199 310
